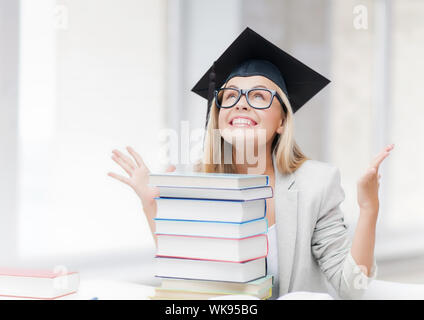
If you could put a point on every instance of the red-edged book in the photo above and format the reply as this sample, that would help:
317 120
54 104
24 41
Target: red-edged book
210 270
212 248
37 284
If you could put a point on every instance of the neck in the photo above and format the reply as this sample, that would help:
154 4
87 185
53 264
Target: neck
259 167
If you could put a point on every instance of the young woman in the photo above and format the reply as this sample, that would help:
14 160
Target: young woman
309 246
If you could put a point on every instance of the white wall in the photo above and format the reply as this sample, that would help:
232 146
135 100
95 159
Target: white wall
88 85
9 30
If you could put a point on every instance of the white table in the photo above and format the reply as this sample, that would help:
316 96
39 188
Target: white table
111 290
123 290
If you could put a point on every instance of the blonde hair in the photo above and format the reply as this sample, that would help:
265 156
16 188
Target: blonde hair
288 155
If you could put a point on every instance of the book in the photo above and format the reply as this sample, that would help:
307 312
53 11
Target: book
216 193
258 287
212 228
166 294
210 210
203 179
212 248
210 270
37 284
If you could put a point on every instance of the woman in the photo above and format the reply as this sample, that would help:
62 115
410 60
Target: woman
254 106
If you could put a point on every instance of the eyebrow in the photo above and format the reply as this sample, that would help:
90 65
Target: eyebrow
258 86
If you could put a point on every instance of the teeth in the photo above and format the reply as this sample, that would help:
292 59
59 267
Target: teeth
242 121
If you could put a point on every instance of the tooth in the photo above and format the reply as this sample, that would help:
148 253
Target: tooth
242 121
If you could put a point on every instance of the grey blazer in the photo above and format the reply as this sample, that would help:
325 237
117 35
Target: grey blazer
313 240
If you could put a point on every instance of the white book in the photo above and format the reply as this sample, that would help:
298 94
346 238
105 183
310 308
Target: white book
37 284
212 180
210 270
216 193
170 294
208 248
210 210
212 228
255 287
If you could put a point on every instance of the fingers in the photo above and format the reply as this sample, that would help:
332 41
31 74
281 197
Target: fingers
136 157
390 147
381 156
124 158
371 172
119 177
123 164
370 178
171 168
155 192
379 160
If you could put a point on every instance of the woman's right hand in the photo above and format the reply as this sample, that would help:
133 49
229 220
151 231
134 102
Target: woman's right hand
138 176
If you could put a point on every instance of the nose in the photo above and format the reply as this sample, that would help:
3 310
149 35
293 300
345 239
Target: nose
242 103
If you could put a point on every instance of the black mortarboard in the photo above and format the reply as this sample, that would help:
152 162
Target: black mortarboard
251 54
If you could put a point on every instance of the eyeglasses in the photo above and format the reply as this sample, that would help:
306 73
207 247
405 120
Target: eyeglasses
258 98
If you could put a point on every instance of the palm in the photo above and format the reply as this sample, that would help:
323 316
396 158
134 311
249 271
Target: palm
138 175
369 184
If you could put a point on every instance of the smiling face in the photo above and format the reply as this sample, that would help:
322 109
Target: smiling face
244 122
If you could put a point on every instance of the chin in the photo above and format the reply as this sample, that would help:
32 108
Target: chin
248 136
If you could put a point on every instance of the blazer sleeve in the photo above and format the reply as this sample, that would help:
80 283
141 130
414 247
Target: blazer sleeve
331 244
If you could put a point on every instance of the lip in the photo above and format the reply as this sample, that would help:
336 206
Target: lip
243 117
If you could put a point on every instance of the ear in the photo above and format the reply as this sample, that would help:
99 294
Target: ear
281 127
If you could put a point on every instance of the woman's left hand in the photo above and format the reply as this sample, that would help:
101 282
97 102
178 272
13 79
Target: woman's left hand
369 183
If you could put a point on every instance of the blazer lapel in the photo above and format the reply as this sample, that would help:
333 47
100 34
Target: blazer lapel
285 200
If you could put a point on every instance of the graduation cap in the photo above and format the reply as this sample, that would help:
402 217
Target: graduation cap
251 54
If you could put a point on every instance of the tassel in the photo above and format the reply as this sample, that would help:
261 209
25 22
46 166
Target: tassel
211 89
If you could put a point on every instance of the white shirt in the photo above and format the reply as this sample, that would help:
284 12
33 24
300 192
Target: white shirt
272 259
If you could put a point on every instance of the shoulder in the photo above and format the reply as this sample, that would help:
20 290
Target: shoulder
320 181
318 177
314 169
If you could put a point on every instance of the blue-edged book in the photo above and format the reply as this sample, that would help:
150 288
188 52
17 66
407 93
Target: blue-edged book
217 229
234 211
208 180
251 193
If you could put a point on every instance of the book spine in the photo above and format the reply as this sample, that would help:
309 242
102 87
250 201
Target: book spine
267 246
201 199
37 298
208 199
214 260
198 279
211 221
211 188
230 239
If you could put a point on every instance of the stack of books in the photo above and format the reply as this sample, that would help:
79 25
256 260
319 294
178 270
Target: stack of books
211 235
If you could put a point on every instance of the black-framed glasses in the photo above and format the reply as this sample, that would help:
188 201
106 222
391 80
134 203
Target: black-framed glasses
258 98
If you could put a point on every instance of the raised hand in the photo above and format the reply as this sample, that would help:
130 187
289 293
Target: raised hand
138 177
369 184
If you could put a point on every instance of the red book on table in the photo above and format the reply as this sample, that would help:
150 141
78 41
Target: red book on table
37 284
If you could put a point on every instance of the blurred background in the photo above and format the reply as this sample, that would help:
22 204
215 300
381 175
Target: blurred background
79 78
